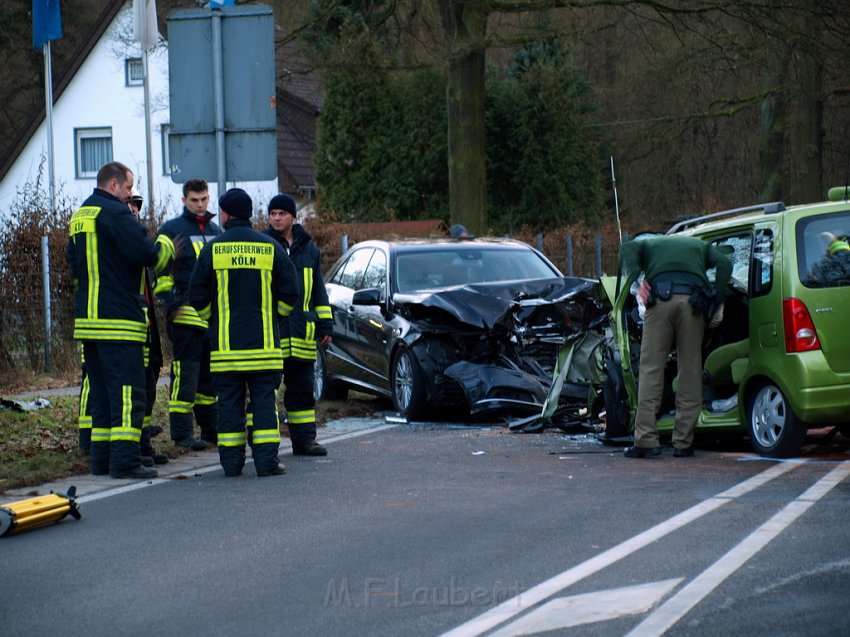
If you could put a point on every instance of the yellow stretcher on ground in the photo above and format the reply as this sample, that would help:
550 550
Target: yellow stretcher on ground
24 515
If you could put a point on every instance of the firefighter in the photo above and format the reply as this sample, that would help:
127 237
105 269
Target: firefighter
243 282
310 321
152 356
192 388
107 252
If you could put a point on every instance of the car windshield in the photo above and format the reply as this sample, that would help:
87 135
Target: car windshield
823 250
430 269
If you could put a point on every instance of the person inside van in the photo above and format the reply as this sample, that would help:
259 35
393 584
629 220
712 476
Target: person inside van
834 268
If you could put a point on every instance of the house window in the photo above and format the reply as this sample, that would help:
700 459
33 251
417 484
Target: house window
166 156
93 149
134 72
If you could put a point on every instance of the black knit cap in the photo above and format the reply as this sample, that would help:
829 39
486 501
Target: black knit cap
237 203
283 202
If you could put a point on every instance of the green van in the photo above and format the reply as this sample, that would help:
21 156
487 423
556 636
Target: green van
779 363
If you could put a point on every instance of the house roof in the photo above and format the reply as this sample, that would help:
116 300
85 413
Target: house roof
299 98
61 82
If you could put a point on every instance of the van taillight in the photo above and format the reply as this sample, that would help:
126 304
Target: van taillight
800 335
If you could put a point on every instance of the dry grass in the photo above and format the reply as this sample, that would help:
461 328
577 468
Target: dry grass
42 445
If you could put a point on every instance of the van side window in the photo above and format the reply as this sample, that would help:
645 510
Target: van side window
738 248
762 280
823 250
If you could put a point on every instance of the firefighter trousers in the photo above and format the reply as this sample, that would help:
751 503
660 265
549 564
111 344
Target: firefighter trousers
233 389
192 387
151 379
116 373
298 400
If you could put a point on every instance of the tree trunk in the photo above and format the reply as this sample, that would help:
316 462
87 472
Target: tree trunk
465 26
772 138
809 165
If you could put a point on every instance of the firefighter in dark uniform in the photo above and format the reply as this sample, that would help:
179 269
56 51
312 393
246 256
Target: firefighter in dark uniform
108 251
310 321
153 363
243 282
152 355
192 388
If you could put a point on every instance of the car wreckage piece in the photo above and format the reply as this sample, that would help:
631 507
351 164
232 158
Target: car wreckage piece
505 346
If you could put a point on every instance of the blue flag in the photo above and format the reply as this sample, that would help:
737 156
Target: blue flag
46 22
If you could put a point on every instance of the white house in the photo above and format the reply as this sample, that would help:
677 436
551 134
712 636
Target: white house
98 116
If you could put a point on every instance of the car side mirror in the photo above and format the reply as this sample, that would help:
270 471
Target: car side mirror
367 296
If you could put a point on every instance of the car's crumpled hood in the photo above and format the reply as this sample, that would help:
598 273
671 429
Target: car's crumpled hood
490 306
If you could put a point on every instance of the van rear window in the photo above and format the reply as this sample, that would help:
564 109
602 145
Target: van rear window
823 250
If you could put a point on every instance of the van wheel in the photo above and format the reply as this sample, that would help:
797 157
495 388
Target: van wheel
616 405
323 387
408 384
774 429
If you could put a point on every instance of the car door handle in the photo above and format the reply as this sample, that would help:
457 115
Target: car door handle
351 309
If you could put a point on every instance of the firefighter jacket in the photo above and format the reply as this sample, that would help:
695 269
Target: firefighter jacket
108 251
311 318
172 289
243 283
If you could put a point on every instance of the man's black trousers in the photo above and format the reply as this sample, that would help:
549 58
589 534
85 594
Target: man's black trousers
233 389
116 372
192 387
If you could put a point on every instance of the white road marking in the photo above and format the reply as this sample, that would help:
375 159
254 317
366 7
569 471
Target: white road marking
566 612
677 606
100 495
523 602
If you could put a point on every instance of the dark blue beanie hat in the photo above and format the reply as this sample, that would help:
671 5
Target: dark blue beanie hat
237 203
283 202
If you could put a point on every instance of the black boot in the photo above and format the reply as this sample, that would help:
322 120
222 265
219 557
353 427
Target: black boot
311 448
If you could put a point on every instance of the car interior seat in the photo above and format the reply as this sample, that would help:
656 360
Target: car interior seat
720 363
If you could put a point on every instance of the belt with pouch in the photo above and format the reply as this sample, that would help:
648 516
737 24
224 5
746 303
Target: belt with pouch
665 289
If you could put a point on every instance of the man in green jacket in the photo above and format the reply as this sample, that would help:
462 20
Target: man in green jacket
679 300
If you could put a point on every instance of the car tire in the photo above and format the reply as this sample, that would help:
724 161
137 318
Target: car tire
323 387
773 427
617 425
408 384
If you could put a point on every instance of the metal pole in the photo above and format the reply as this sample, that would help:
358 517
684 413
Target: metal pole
45 285
569 255
616 201
48 97
540 241
218 91
344 243
147 96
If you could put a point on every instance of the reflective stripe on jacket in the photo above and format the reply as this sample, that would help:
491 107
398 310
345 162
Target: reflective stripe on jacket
243 283
173 288
107 252
311 319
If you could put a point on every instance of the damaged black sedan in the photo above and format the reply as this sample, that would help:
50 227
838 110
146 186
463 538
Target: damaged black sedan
460 327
